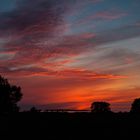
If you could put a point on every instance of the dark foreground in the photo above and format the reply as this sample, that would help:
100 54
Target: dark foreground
70 126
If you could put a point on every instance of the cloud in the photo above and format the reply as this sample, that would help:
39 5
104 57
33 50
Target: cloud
86 74
29 24
70 73
108 15
117 34
105 15
32 17
16 56
33 32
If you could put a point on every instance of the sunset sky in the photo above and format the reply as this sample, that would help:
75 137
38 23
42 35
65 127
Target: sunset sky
70 53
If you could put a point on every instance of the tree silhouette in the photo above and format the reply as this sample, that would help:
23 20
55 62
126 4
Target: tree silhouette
9 96
100 107
135 108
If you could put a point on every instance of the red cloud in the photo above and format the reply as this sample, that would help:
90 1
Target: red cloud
30 52
86 74
80 74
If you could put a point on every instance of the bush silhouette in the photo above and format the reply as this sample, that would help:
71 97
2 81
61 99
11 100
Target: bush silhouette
100 107
135 108
9 96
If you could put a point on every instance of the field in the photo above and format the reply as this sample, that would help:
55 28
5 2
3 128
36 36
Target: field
70 126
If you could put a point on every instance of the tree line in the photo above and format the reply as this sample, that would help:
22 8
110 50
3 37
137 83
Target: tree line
10 95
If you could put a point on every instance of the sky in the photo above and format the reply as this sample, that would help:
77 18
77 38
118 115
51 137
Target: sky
68 54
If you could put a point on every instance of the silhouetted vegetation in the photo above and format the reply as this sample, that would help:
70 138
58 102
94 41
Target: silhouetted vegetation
100 107
9 96
34 110
71 126
135 108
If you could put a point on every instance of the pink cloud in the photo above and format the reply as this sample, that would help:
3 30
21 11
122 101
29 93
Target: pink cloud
80 74
108 15
103 15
